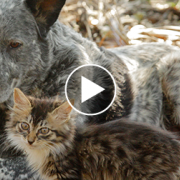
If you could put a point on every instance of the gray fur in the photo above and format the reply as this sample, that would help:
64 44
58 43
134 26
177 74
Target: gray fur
161 85
147 105
168 68
48 55
15 169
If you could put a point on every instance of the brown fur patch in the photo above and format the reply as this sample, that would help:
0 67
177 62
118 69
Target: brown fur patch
48 5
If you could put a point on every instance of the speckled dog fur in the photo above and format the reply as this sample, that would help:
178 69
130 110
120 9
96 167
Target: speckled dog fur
168 68
37 53
156 87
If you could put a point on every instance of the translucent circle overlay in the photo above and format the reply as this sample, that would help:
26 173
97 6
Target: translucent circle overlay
114 82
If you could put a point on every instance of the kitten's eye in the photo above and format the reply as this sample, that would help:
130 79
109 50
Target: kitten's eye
43 130
24 126
15 44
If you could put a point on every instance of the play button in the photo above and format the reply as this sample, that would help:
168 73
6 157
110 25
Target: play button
89 89
92 87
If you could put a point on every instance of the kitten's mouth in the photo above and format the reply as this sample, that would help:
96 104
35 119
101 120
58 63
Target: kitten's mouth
31 146
34 146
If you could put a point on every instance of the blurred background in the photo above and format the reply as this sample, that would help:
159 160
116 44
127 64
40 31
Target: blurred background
113 23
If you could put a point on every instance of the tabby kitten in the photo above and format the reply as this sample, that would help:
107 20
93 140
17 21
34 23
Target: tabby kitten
119 150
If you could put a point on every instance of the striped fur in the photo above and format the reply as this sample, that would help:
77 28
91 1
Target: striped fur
116 150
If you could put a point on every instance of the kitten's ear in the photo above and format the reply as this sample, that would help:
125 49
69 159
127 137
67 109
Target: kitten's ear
45 12
20 99
62 112
65 108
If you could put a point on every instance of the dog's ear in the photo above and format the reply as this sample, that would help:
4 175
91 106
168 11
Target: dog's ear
46 12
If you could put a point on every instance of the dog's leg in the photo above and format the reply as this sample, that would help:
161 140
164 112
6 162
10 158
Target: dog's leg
148 96
169 70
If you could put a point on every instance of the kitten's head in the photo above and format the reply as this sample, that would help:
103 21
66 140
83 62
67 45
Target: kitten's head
40 124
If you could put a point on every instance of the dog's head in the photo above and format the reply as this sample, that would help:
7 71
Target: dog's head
24 49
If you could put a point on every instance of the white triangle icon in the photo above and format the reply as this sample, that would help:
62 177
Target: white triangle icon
89 89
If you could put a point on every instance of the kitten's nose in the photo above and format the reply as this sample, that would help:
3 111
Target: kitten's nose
30 142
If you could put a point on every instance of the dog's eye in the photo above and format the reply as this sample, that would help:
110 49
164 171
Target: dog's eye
15 44
24 126
44 130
